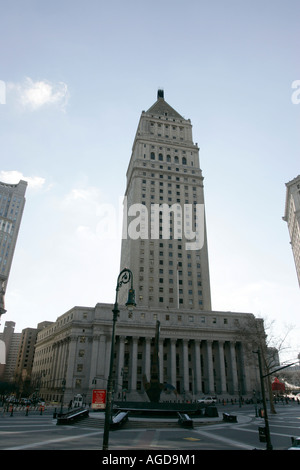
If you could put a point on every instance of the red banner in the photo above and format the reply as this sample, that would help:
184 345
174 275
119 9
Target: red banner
278 386
99 399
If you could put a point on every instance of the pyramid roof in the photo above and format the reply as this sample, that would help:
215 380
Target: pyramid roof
162 108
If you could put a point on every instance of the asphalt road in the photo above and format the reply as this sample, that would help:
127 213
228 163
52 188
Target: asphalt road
40 432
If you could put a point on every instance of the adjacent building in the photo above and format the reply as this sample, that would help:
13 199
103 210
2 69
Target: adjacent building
25 358
9 346
164 244
12 201
292 218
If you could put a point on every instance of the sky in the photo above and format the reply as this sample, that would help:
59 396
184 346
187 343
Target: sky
74 79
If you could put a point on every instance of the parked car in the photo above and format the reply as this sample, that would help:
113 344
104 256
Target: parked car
208 400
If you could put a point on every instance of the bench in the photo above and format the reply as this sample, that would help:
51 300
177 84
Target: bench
185 420
229 418
295 442
119 419
72 416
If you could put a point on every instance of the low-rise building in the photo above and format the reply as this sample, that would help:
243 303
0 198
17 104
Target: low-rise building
199 353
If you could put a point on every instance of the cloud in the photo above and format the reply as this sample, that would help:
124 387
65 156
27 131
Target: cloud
13 177
85 200
34 95
90 215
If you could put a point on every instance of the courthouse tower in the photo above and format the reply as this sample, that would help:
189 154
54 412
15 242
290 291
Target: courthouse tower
164 235
200 351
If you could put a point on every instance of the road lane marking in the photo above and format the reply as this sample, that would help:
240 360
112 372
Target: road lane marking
52 441
225 440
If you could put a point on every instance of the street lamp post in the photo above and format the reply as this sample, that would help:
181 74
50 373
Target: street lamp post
124 277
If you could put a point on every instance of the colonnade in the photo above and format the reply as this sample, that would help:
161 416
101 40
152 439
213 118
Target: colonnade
192 367
188 368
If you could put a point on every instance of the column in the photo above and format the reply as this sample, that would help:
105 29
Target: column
59 375
185 365
102 358
197 367
147 359
244 370
121 349
105 359
173 362
222 367
133 363
94 359
53 366
210 368
233 369
70 361
161 360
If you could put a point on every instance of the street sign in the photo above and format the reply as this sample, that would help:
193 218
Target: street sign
99 399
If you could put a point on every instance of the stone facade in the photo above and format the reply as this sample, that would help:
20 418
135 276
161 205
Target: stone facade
169 266
9 346
25 357
12 201
200 353
292 218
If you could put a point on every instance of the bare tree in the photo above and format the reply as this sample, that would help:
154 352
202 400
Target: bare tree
259 334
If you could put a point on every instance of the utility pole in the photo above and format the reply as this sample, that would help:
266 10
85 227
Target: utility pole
268 437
